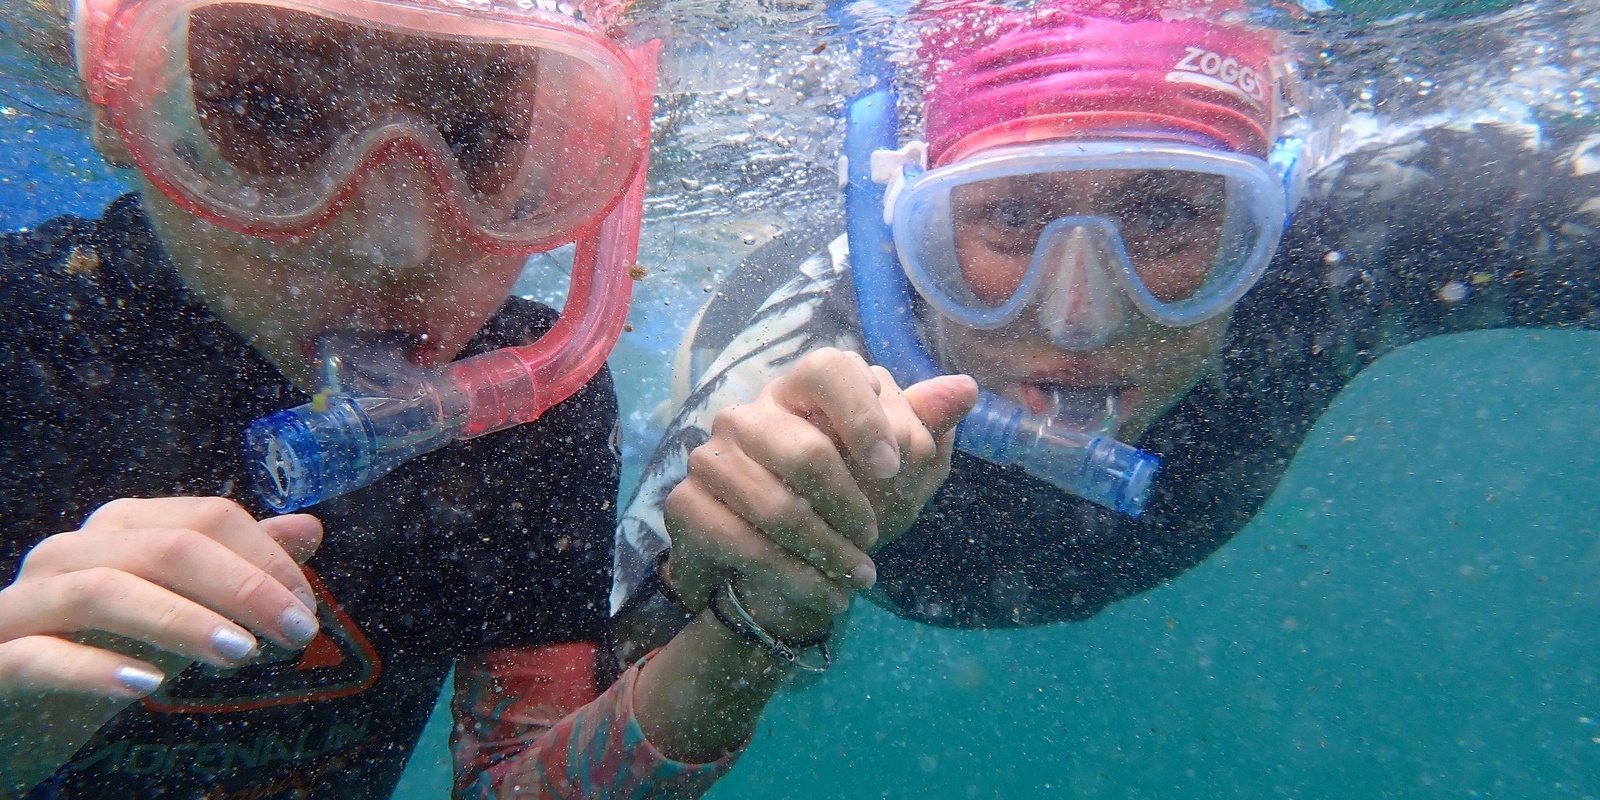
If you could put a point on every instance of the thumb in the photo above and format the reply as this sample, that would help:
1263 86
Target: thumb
299 534
941 402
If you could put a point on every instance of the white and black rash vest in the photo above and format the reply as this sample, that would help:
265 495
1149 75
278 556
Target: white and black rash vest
1418 231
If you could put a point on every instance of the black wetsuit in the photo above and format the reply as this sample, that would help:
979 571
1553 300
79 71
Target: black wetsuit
119 383
1427 232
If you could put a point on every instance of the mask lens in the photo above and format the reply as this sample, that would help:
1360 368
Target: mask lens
275 89
263 116
1171 226
1170 223
1182 243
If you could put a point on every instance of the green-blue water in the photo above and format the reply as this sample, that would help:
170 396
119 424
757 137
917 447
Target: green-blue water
1415 613
1412 614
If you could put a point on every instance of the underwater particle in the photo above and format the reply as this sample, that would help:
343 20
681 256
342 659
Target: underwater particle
1172 624
817 51
690 183
1332 257
319 401
83 262
1453 292
1348 439
95 374
637 272
1290 624
1481 278
627 328
747 238
968 673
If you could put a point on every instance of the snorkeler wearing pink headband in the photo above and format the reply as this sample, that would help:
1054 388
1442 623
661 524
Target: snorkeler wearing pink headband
1117 221
1010 77
334 200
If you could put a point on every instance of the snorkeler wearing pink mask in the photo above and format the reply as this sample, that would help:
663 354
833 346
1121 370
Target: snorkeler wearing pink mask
1115 222
335 198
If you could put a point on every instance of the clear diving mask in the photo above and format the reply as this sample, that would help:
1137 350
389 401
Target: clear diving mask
1085 233
268 117
1076 451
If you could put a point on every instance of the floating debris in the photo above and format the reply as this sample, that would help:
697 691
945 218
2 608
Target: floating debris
83 262
319 401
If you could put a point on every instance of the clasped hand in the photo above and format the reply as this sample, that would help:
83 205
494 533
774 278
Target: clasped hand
793 491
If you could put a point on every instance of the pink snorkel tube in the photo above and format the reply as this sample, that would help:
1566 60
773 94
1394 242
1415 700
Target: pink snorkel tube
377 411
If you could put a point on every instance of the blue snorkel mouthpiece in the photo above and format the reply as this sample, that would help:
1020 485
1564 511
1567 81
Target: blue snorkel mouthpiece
376 413
1095 467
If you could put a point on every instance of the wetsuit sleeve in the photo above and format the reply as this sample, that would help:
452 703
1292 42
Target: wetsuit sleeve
1457 228
529 725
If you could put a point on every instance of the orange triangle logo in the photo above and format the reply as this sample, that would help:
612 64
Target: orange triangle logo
322 652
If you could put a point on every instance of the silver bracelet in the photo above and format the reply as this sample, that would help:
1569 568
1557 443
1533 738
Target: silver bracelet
744 626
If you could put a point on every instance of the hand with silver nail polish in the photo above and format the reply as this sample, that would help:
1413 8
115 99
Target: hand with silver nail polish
144 588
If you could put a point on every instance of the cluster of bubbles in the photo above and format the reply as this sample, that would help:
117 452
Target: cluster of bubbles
748 118
1535 62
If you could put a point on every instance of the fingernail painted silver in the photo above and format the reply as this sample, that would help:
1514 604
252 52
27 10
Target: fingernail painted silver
232 644
299 626
138 680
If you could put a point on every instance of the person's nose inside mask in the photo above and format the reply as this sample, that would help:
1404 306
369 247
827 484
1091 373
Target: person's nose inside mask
395 217
1080 303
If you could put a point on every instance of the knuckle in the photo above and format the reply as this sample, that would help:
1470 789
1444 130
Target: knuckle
732 420
680 502
169 622
117 509
703 459
94 585
21 659
811 449
779 509
176 546
677 497
823 358
77 666
255 584
47 552
212 512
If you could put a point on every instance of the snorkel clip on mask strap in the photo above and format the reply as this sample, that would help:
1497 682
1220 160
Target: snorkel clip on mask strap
897 169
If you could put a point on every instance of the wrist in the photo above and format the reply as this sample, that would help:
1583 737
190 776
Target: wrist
729 610
780 617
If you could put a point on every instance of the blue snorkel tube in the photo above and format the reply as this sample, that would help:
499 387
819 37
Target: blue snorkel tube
1095 467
